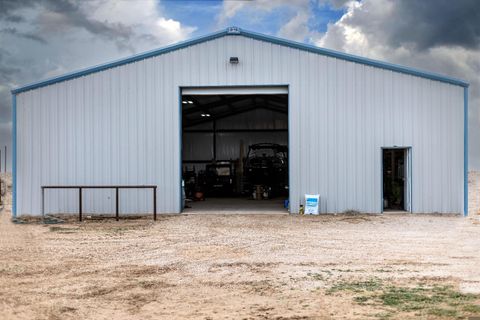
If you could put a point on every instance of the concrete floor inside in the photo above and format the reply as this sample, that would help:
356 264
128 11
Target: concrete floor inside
235 206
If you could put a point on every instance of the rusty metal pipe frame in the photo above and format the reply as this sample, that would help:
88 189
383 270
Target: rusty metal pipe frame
117 189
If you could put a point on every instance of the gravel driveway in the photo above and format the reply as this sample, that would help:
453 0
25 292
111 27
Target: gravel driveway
242 267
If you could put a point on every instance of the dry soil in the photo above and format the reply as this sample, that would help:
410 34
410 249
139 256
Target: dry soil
242 267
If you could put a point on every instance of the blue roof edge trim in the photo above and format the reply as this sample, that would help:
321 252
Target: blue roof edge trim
119 62
354 58
234 31
465 151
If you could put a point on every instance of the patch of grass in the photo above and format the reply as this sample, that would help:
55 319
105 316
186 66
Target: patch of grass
472 308
357 286
405 299
361 299
438 300
383 315
441 312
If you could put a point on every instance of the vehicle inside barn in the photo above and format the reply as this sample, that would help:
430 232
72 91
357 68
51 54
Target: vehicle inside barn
234 152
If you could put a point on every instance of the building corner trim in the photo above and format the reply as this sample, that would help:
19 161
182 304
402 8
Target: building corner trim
465 151
14 155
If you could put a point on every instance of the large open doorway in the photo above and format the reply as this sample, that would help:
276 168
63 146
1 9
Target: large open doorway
235 150
396 179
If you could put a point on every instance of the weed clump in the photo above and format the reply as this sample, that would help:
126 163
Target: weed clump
422 300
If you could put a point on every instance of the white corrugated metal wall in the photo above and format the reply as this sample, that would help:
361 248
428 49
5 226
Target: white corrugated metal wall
122 126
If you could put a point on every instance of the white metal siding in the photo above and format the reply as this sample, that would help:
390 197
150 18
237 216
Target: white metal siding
122 125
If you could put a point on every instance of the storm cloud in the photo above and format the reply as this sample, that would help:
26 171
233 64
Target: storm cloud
421 24
9 9
442 23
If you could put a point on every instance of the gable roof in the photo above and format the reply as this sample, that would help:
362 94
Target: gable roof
249 34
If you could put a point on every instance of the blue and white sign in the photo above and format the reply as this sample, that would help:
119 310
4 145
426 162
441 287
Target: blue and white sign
311 203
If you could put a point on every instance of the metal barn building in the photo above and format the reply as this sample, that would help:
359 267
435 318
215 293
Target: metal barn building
364 135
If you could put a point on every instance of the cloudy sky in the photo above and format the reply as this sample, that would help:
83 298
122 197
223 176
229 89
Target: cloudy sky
45 38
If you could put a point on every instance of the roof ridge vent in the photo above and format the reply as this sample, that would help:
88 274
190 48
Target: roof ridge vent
233 30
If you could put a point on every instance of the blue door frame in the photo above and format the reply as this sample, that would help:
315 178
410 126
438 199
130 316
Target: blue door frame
409 167
180 88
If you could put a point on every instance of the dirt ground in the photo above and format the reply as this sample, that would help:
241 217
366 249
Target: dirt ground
474 192
237 267
242 267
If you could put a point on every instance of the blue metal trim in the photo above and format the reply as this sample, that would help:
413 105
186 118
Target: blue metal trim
180 141
465 151
238 86
381 180
410 153
253 35
289 152
354 58
14 156
116 63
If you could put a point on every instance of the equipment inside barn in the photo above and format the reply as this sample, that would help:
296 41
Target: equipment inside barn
219 179
266 165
